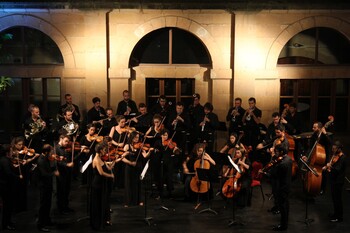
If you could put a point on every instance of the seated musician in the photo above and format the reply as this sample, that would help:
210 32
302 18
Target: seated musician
243 178
198 153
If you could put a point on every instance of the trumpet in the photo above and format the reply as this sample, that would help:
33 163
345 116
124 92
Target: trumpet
234 113
249 117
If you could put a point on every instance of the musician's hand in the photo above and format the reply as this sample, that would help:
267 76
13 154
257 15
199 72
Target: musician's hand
283 121
304 158
71 164
323 130
56 173
21 176
133 163
259 146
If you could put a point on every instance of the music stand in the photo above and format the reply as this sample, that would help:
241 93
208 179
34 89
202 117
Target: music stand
307 220
204 175
147 218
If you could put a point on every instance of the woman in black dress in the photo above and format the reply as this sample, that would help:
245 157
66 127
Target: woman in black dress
99 211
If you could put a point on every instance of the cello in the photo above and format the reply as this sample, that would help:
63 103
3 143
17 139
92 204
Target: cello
197 185
316 160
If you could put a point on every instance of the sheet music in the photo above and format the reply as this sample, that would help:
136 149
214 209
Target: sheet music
234 165
143 173
86 165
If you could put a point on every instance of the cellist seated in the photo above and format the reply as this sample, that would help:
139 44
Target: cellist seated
189 166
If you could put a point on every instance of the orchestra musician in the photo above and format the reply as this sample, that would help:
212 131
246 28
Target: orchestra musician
162 107
69 105
142 120
127 106
280 141
99 201
119 135
208 126
134 160
166 149
22 158
67 125
198 153
336 168
234 117
196 113
7 178
292 119
320 136
63 182
47 169
108 123
35 130
251 120
244 177
281 173
96 113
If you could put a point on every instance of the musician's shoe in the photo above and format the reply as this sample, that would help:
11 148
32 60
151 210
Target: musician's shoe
279 228
335 219
322 192
43 229
9 227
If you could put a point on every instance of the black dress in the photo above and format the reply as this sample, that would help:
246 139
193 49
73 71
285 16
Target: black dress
132 178
98 203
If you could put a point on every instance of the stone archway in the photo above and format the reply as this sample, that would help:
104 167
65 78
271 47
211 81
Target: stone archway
315 21
27 20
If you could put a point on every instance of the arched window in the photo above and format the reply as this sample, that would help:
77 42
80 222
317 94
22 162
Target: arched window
28 46
25 48
319 46
170 46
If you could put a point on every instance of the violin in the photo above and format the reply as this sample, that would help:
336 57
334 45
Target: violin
138 145
334 159
55 157
274 162
95 137
77 147
169 143
27 151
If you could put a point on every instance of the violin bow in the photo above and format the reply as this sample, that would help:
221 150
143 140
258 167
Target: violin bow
143 143
159 126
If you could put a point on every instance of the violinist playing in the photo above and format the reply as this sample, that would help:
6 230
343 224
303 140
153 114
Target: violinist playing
134 160
87 144
188 165
281 173
47 169
243 178
63 182
142 120
22 158
336 168
119 135
164 168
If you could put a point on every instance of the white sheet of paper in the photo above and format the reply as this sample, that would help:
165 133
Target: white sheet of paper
85 166
143 173
234 165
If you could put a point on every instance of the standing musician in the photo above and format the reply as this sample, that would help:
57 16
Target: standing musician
281 173
96 113
35 130
336 168
69 105
292 119
196 113
143 119
108 123
127 106
47 168
179 123
162 107
280 141
208 126
134 160
87 144
166 149
319 138
119 135
63 182
190 164
251 120
234 117
7 178
67 125
21 158
100 209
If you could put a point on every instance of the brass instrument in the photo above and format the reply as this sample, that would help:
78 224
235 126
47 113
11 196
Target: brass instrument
248 117
71 127
35 127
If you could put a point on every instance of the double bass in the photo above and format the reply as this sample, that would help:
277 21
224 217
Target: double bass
197 185
316 159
